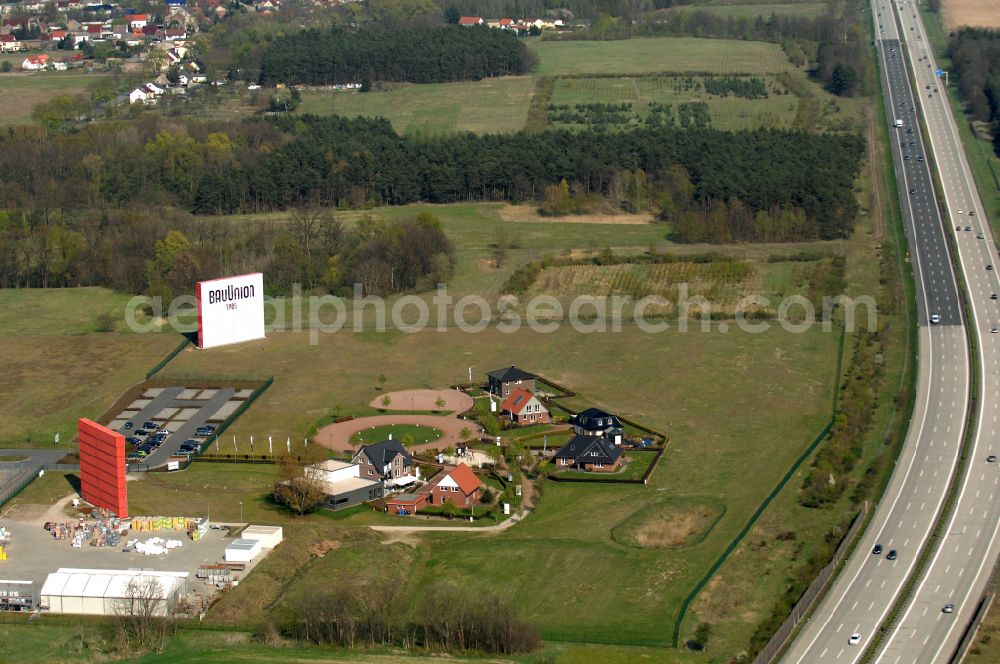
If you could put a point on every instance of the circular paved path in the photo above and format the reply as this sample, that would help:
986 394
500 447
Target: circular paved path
338 436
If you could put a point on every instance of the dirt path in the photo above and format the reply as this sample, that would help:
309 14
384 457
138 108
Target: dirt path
399 533
454 401
338 436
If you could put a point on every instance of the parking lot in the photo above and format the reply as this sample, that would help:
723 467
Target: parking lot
180 410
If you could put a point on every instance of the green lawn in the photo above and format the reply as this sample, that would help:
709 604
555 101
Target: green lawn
20 92
418 434
659 54
205 489
48 489
494 105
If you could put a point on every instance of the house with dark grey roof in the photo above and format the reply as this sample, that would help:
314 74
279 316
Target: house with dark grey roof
596 422
592 453
388 461
502 381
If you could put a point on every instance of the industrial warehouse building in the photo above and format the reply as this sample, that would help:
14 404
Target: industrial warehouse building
269 536
103 592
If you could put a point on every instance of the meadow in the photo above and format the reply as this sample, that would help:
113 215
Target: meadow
659 54
491 105
729 401
727 113
21 92
739 10
501 105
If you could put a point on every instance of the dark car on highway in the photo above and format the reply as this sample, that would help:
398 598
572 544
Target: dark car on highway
891 555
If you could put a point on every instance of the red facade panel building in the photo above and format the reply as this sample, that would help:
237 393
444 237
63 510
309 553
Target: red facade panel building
102 467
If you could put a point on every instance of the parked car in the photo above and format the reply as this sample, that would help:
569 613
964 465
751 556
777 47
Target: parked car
132 440
150 424
128 425
141 432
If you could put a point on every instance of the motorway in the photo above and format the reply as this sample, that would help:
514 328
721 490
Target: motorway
961 564
865 591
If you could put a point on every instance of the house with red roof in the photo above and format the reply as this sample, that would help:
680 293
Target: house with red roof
460 486
9 43
522 407
470 20
137 21
35 62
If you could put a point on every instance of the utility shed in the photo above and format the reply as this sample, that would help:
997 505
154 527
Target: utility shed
103 592
242 551
268 536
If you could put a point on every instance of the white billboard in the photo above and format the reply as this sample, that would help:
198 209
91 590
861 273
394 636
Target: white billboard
230 310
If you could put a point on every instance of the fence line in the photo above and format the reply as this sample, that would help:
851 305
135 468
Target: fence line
13 491
812 593
171 355
767 500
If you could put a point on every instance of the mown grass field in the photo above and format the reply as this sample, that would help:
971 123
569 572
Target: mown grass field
659 54
488 106
20 92
799 9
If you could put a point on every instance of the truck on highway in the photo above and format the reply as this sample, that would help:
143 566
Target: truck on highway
899 123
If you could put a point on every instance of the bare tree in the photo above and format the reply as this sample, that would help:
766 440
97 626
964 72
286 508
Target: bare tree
142 615
300 490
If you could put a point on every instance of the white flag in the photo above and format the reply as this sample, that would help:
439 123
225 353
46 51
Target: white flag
270 449
234 443
251 442
305 442
289 445
57 438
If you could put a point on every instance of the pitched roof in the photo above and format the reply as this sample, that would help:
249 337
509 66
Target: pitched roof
580 449
516 401
595 418
470 20
464 478
382 454
510 373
